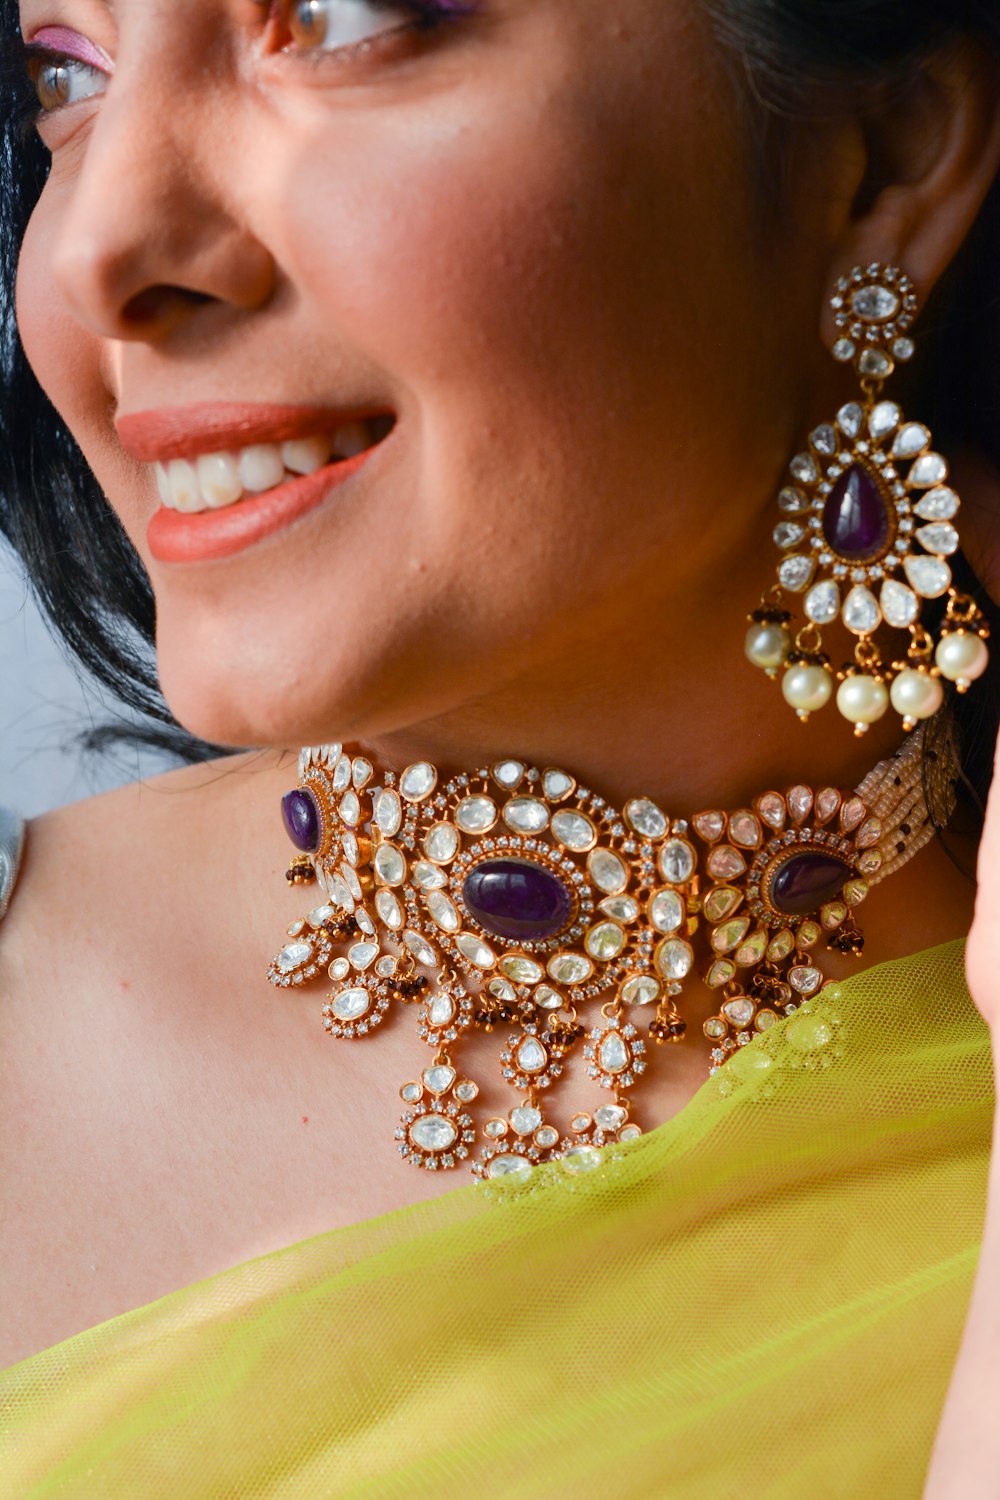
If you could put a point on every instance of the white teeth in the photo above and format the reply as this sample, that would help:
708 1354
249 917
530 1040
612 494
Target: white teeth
352 440
216 480
306 455
219 479
183 481
261 467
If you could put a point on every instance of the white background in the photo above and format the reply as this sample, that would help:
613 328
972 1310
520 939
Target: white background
43 706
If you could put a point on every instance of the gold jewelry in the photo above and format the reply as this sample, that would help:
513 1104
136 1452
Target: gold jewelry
866 532
512 897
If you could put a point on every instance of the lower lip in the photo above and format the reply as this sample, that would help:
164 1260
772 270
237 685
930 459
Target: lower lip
179 537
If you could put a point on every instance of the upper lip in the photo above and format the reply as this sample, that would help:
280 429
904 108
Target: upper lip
167 432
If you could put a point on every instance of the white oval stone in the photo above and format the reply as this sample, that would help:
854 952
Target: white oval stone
611 1116
321 914
339 969
521 970
620 908
666 911
614 1055
910 440
350 809
646 818
928 470
390 864
677 861
509 1165
526 815
803 468
352 1004
294 956
476 814
525 1119
607 871
940 537
570 968
900 605
884 419
875 304
642 990
939 504
443 911
580 1159
605 941
861 612
675 958
441 1011
389 813
475 950
547 998
433 1133
362 771
574 831
531 1056
418 781
342 773
929 576
822 603
441 843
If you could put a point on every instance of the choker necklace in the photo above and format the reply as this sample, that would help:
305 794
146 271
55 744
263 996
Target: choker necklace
514 897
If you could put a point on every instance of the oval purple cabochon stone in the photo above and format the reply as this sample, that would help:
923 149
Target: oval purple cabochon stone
512 898
806 881
300 815
855 519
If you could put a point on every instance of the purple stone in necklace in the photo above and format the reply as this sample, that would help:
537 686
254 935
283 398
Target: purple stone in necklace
301 817
517 899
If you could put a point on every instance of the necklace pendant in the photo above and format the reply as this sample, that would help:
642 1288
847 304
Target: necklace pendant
614 1052
436 1132
516 1144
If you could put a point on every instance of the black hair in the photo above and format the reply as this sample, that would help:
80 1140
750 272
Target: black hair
87 576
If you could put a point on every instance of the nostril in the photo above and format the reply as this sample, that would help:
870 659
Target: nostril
157 304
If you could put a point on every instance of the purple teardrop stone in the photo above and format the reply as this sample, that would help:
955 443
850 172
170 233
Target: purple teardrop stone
300 815
805 882
855 518
512 898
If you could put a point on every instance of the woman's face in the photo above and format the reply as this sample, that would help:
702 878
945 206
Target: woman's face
522 238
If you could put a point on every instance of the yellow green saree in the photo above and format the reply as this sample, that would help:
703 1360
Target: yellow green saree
761 1298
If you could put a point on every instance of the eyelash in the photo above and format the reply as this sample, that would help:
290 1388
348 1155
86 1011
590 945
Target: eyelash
24 59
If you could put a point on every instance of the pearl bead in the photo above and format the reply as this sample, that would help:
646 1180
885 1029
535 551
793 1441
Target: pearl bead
767 646
916 695
862 700
962 657
807 688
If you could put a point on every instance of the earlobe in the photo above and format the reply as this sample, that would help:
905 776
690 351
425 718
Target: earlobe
933 155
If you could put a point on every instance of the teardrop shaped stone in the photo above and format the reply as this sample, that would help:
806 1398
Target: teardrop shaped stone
300 815
531 1056
513 898
855 518
805 882
614 1053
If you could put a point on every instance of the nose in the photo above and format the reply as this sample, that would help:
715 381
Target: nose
154 225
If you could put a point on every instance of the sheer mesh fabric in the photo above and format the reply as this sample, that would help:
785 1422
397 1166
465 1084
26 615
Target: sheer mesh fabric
763 1297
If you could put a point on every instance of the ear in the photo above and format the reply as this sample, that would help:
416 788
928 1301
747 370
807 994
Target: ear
931 153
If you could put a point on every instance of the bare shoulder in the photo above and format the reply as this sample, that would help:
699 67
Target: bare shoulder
120 1096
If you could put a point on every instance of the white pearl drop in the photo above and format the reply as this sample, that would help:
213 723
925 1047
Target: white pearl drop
862 699
767 646
916 695
962 657
807 688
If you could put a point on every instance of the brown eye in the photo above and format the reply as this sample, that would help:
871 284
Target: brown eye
53 85
307 23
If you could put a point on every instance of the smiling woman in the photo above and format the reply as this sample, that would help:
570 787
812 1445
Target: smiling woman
438 385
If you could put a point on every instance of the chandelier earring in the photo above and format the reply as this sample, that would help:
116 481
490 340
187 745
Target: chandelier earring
866 532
